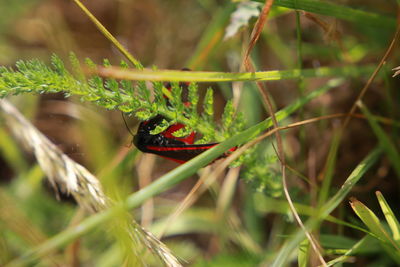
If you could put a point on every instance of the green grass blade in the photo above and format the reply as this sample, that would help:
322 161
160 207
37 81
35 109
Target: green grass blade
293 242
373 223
108 35
390 217
329 170
204 76
303 254
339 11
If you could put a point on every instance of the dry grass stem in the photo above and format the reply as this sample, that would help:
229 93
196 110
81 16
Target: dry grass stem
249 66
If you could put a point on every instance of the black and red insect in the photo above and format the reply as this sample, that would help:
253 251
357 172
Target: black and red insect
165 144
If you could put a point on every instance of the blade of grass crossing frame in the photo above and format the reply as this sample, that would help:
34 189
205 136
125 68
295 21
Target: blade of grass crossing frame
390 217
340 12
329 169
373 223
207 76
293 242
108 35
384 140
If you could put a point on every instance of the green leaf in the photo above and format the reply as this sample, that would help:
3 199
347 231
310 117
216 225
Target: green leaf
144 115
390 217
228 115
303 254
193 97
209 104
76 67
373 223
58 65
183 132
161 127
127 86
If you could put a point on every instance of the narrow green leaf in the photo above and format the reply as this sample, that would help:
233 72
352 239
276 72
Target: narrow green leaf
58 65
340 12
390 217
228 115
161 127
183 132
127 86
108 35
76 67
193 96
209 104
369 219
143 115
373 223
204 76
176 100
329 170
95 81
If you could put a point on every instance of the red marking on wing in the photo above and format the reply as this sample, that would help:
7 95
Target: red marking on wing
233 149
189 140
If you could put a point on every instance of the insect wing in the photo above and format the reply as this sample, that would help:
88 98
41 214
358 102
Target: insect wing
179 153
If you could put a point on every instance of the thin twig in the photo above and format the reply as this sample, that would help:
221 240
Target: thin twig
267 100
372 77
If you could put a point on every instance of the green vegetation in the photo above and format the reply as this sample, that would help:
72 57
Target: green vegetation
319 60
